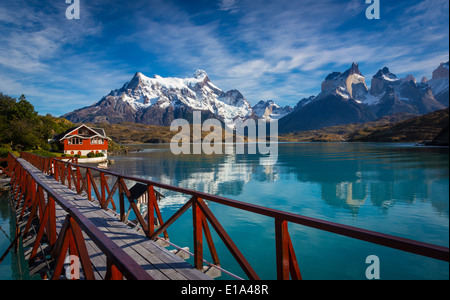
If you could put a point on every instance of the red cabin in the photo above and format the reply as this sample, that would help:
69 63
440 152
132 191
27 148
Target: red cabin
83 140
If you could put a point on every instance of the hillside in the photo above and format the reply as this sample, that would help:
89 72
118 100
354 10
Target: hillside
134 133
130 133
342 133
418 129
402 127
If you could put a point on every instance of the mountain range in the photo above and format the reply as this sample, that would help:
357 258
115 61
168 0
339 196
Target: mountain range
158 101
344 98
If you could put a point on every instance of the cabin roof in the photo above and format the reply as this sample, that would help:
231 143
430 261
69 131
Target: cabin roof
98 132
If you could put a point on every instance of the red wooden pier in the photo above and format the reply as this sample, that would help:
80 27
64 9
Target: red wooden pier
64 208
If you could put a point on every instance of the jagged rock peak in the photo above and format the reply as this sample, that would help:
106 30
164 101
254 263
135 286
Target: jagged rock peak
354 69
441 71
333 76
381 80
410 78
137 78
385 74
350 84
200 74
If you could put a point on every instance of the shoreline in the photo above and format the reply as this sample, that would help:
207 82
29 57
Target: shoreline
422 144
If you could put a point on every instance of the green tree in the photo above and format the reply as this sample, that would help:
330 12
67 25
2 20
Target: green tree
23 110
21 127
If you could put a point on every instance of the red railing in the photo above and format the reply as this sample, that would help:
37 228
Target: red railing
30 192
287 267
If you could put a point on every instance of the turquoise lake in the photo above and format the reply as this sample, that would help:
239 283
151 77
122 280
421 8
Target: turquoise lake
397 189
5 231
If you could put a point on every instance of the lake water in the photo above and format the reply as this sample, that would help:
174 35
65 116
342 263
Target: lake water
13 266
397 189
5 231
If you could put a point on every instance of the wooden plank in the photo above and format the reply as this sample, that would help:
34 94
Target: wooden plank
136 244
97 258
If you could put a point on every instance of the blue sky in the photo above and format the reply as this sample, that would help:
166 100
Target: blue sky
267 49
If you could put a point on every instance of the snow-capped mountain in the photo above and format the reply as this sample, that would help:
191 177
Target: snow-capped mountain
389 94
381 80
158 101
269 110
386 89
350 84
339 102
345 98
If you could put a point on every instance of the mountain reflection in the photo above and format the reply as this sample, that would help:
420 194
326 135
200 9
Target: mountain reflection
349 175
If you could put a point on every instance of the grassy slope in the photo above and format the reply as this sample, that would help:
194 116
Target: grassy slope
417 129
129 133
343 133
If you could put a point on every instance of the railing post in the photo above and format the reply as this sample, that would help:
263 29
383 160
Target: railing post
94 185
78 182
63 174
88 186
103 189
69 176
112 273
29 199
227 240
282 250
198 236
22 186
287 264
121 202
82 250
34 209
150 210
56 169
71 238
209 240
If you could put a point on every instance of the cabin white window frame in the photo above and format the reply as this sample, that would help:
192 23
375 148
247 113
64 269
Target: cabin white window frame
75 141
97 141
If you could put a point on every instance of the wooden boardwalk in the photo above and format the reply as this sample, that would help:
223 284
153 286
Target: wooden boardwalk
109 249
156 260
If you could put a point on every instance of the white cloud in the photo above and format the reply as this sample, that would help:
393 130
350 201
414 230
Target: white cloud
228 5
355 7
419 68
281 49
